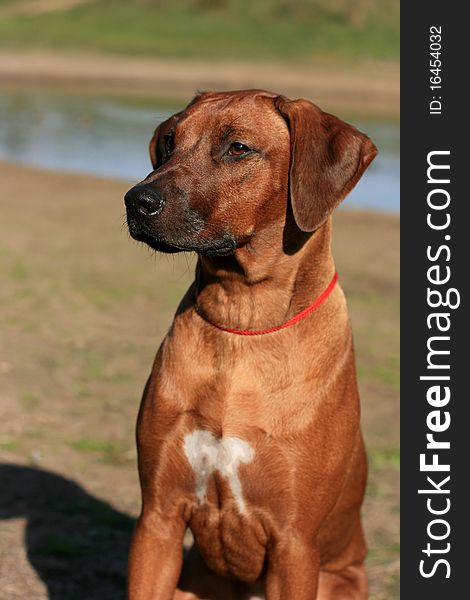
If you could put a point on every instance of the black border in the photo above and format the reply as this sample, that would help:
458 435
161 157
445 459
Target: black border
421 133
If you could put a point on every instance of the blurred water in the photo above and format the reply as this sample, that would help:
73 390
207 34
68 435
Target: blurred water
109 137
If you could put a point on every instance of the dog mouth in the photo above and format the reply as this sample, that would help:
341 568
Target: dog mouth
155 244
225 246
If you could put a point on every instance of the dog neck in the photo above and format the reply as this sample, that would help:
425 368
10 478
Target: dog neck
258 287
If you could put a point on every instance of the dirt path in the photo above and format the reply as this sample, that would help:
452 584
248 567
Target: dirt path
367 89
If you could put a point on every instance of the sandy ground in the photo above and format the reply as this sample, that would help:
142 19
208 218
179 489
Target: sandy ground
83 311
367 89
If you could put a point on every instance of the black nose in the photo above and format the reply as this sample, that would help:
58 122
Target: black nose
145 200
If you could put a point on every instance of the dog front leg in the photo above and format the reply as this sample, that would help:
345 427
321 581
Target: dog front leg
293 571
156 557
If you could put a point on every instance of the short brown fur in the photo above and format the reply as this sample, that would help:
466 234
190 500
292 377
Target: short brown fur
260 223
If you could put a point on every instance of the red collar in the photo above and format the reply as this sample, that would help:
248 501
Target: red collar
295 319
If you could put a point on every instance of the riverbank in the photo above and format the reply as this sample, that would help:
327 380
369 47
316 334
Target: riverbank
368 89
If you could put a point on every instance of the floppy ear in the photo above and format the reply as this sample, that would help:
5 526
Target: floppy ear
156 148
157 143
328 157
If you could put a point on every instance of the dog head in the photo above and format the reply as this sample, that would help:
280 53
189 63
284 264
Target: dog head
227 166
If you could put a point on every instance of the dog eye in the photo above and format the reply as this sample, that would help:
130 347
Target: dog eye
238 149
169 143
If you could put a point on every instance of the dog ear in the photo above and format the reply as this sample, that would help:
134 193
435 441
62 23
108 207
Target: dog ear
328 157
156 148
157 143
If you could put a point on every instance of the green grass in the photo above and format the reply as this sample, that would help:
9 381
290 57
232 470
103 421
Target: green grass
92 445
9 446
109 452
384 458
19 271
29 401
390 375
377 555
235 29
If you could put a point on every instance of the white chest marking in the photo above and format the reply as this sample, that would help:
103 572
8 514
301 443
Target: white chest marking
206 454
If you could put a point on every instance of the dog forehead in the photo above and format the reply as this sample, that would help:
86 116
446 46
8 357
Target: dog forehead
249 113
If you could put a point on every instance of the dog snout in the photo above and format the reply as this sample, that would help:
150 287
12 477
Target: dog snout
145 200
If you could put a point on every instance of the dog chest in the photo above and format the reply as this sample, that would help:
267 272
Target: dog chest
207 454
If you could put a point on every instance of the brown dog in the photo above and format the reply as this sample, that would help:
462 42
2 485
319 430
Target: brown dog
248 431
